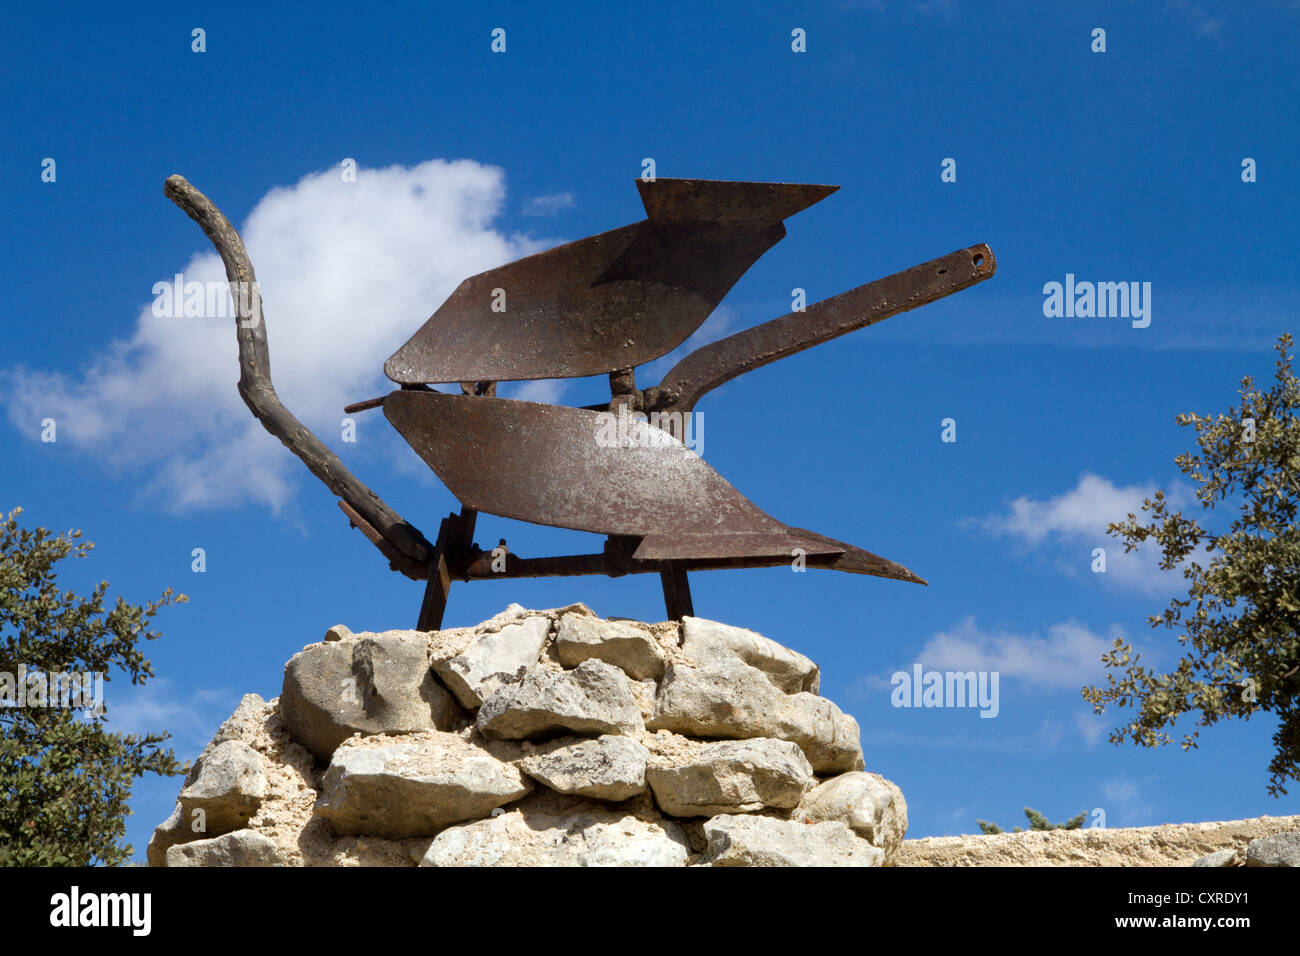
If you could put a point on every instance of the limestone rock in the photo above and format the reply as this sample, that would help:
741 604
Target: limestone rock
630 647
871 806
644 691
337 633
607 768
732 776
243 724
240 848
227 790
731 699
165 836
1219 858
494 659
227 783
764 841
406 788
377 684
1280 849
398 691
707 642
580 837
593 698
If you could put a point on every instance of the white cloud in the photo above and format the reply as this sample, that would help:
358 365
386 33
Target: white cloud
347 271
1073 523
1084 510
548 205
1068 656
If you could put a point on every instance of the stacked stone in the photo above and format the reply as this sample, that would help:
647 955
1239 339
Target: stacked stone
539 738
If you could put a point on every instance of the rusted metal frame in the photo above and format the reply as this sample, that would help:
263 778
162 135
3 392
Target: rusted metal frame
259 394
480 568
672 575
397 561
480 565
677 591
711 365
455 542
369 403
622 391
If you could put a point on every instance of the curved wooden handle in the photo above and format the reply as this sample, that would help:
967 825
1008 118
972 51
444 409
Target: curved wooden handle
259 394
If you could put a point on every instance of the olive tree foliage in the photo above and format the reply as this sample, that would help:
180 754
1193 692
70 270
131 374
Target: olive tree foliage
1036 822
65 778
1239 625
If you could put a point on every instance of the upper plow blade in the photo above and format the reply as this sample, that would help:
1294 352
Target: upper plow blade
608 302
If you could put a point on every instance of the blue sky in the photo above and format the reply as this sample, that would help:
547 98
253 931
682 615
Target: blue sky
1115 166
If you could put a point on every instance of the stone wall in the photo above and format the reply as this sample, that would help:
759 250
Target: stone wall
558 738
1261 841
538 738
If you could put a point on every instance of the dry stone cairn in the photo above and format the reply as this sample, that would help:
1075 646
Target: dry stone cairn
538 738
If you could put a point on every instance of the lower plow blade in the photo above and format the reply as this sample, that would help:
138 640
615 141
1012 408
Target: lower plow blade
767 544
568 467
856 561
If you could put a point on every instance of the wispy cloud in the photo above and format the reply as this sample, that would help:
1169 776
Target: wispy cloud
1051 734
1065 657
1125 802
191 717
1068 655
347 270
1091 727
1072 524
549 204
1201 21
947 9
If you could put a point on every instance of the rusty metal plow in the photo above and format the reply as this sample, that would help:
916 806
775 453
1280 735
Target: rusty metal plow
604 304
